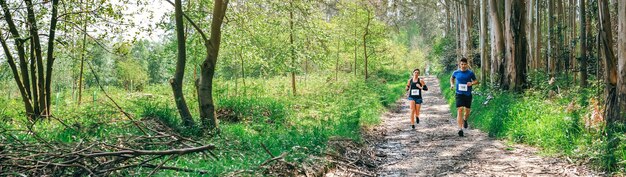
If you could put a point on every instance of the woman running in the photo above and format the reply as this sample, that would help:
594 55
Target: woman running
414 87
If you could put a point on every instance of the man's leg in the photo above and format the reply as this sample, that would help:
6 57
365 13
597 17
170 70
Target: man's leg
467 113
459 117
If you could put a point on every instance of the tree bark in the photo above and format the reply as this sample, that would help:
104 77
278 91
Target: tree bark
583 44
612 112
538 38
356 44
293 51
367 26
459 29
559 60
205 83
177 81
484 61
531 34
50 55
551 38
515 55
621 52
448 18
41 102
468 31
82 61
497 44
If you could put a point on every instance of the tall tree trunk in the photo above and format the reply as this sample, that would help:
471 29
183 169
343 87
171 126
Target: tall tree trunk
33 78
243 71
583 44
515 55
560 37
531 34
50 55
612 112
538 38
621 55
82 61
356 44
484 61
551 38
468 31
367 26
177 81
39 60
459 29
205 83
293 50
572 36
497 44
448 18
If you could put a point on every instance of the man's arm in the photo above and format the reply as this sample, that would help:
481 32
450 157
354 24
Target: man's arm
474 80
452 82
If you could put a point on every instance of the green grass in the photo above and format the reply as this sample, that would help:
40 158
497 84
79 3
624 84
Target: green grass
262 112
537 119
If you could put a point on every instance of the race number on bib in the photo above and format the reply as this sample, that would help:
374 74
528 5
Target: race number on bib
463 87
415 92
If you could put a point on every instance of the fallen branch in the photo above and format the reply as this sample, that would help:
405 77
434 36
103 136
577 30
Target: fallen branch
143 152
280 157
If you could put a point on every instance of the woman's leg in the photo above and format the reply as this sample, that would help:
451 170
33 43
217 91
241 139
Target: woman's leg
412 104
417 110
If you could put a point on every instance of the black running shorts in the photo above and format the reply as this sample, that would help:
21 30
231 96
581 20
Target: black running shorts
463 100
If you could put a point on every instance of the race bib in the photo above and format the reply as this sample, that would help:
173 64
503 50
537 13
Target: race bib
463 87
415 92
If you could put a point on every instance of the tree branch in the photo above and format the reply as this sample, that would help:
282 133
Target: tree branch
144 152
202 34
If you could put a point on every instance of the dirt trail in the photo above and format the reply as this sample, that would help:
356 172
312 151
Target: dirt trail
435 149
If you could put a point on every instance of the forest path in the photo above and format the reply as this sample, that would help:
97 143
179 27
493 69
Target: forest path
435 149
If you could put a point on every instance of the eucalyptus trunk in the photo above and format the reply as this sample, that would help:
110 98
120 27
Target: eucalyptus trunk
497 44
484 61
583 44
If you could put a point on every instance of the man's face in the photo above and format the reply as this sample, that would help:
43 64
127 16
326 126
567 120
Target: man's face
463 65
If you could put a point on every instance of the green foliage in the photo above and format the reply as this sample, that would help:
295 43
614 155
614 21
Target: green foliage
443 55
131 75
252 94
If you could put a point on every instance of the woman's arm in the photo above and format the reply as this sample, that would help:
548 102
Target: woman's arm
408 84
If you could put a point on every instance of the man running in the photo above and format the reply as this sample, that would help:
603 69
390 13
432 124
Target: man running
464 79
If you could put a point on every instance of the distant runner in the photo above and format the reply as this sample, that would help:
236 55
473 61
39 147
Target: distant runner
415 86
464 79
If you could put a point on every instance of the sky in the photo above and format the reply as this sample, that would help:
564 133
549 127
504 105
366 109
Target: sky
155 13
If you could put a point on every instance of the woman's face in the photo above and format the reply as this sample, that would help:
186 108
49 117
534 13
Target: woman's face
416 73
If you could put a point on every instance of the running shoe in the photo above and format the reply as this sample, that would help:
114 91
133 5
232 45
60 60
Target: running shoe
461 133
